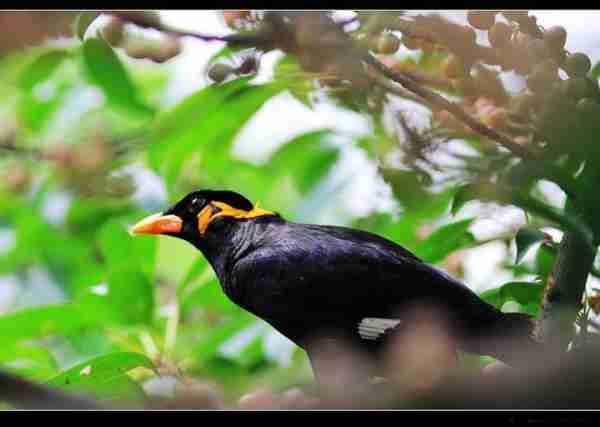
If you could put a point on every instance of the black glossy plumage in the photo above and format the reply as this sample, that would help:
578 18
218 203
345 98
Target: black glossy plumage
308 279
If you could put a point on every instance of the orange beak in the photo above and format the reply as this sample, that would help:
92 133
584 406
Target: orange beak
157 224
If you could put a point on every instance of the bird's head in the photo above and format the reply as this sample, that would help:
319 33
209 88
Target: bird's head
198 214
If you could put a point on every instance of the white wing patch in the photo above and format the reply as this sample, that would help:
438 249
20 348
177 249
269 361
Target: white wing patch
372 328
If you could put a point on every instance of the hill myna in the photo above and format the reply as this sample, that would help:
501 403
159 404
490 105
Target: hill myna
308 280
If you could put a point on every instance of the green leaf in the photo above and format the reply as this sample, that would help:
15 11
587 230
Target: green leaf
253 353
210 343
527 294
306 159
174 124
35 113
208 296
121 250
566 219
32 361
527 237
106 71
40 321
215 131
169 123
445 240
42 68
407 186
131 295
544 260
197 268
83 21
464 194
595 73
105 377
225 52
289 73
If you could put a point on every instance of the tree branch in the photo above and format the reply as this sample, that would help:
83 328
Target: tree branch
442 103
25 394
564 289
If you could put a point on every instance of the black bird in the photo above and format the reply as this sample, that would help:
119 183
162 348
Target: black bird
304 279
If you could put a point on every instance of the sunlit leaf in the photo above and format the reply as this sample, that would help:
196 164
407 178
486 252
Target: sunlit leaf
216 129
120 249
104 377
210 343
106 70
208 296
198 268
36 111
28 360
544 260
306 159
527 294
445 240
42 68
46 320
288 72
83 21
179 122
131 294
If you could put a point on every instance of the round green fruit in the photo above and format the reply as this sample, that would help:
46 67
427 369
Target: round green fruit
577 65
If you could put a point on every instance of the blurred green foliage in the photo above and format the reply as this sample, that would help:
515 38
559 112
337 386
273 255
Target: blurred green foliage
120 303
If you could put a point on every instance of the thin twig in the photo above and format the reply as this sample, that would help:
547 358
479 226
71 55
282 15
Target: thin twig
254 39
10 146
442 103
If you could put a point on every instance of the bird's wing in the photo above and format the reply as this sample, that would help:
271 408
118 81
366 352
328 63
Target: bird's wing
332 276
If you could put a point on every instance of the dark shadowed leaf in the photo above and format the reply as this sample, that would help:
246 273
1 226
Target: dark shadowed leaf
595 73
464 194
527 237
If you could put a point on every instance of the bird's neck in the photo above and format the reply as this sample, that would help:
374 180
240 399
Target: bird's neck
223 248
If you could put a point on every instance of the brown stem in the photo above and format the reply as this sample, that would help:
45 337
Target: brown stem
442 103
564 290
250 40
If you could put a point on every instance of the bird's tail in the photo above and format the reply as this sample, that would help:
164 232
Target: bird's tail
511 340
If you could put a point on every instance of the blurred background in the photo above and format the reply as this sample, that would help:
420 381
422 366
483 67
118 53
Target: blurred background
94 138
